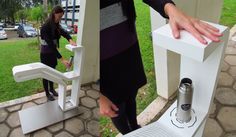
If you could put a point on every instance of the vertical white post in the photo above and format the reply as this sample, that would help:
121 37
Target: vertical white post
189 7
200 130
209 10
62 96
78 65
166 62
88 37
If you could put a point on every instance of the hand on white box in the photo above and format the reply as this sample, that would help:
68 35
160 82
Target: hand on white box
180 21
72 42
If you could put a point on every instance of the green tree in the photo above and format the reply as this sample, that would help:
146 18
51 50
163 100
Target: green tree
22 15
37 13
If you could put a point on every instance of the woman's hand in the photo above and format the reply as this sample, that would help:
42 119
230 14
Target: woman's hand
72 42
65 62
107 108
178 20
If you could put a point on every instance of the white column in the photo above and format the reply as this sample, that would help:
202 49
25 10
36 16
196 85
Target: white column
166 62
200 130
62 96
88 37
209 10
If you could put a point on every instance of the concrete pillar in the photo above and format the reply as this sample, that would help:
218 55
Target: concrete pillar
88 37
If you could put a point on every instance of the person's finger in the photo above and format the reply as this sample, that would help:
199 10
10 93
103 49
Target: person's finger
210 26
72 43
175 30
212 31
190 28
114 107
215 33
111 113
204 31
104 113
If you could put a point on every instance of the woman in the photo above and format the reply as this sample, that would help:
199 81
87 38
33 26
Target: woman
121 68
51 32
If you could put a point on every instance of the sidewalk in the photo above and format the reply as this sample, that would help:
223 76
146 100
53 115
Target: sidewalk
85 125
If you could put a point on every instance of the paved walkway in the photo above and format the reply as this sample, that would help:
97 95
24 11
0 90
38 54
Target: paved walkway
222 119
85 125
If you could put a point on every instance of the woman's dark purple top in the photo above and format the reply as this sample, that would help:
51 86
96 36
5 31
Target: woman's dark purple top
119 37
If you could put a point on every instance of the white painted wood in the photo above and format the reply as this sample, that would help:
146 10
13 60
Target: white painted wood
166 82
205 76
41 116
202 66
187 6
39 70
209 10
72 100
167 68
183 129
156 19
75 91
199 132
88 36
61 96
187 45
77 67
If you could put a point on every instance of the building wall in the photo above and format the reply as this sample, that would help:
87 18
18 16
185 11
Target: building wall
68 16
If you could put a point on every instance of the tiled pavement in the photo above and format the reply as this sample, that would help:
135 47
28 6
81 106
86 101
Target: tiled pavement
85 125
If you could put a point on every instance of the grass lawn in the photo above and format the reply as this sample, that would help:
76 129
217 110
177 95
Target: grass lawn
228 16
148 93
17 52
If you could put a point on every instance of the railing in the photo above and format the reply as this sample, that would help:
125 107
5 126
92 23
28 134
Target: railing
39 70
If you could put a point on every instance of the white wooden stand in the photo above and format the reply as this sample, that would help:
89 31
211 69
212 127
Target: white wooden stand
207 10
199 62
65 107
49 113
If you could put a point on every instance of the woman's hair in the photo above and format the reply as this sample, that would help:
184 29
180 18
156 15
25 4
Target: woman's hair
55 10
51 18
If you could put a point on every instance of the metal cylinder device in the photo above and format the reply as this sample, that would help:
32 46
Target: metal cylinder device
70 63
184 100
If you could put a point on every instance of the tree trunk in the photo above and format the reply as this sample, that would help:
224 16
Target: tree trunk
45 8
